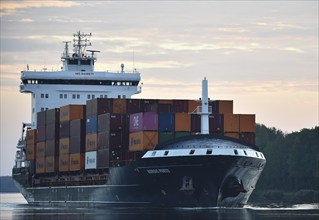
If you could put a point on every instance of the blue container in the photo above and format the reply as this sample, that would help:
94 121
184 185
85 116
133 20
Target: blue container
91 124
166 122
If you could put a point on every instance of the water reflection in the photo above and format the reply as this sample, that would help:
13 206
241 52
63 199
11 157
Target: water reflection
131 214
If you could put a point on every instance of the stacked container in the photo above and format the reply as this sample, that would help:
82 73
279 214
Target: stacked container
52 140
31 140
112 140
70 161
143 129
93 153
40 143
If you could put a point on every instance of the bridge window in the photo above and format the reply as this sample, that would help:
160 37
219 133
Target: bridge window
73 96
236 152
78 96
209 151
61 96
192 151
42 96
166 153
89 96
46 96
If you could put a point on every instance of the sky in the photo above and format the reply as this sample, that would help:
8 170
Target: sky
261 54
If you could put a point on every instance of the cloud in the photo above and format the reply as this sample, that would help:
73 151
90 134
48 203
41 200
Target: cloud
11 7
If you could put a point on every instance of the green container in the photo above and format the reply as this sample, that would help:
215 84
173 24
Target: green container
181 134
165 136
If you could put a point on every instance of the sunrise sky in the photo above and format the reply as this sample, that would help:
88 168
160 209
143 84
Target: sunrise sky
261 54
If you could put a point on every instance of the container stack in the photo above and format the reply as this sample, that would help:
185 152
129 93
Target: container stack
95 108
70 161
52 140
107 132
31 141
40 143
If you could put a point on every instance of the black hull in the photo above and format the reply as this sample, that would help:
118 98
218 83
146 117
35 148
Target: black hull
181 182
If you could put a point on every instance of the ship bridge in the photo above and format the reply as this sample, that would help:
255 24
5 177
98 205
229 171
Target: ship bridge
77 81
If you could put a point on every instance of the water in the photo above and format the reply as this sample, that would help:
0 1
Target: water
13 206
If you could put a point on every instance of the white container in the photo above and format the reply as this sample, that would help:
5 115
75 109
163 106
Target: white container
90 160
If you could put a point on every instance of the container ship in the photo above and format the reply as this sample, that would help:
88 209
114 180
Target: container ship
89 144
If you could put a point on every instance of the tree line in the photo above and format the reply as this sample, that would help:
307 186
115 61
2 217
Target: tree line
292 159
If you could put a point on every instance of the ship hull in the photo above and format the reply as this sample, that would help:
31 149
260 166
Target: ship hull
195 181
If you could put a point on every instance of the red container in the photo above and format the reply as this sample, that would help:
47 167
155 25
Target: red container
64 129
134 106
180 106
216 123
31 137
150 105
165 107
53 116
40 133
119 106
248 137
99 106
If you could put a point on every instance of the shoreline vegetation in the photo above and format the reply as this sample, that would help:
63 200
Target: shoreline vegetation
291 174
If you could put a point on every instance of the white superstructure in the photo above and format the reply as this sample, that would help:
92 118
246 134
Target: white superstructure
77 81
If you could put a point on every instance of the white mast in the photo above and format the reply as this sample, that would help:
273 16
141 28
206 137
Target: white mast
204 113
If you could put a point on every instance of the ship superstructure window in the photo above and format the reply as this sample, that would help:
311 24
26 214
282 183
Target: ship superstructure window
93 96
78 96
46 96
209 151
42 95
65 96
105 96
73 96
192 151
236 152
89 96
61 96
80 82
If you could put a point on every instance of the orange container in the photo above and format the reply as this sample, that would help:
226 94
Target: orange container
30 151
72 112
119 106
193 104
232 134
51 164
76 162
91 142
231 123
40 149
64 162
31 136
40 165
64 146
143 140
225 107
182 122
247 123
